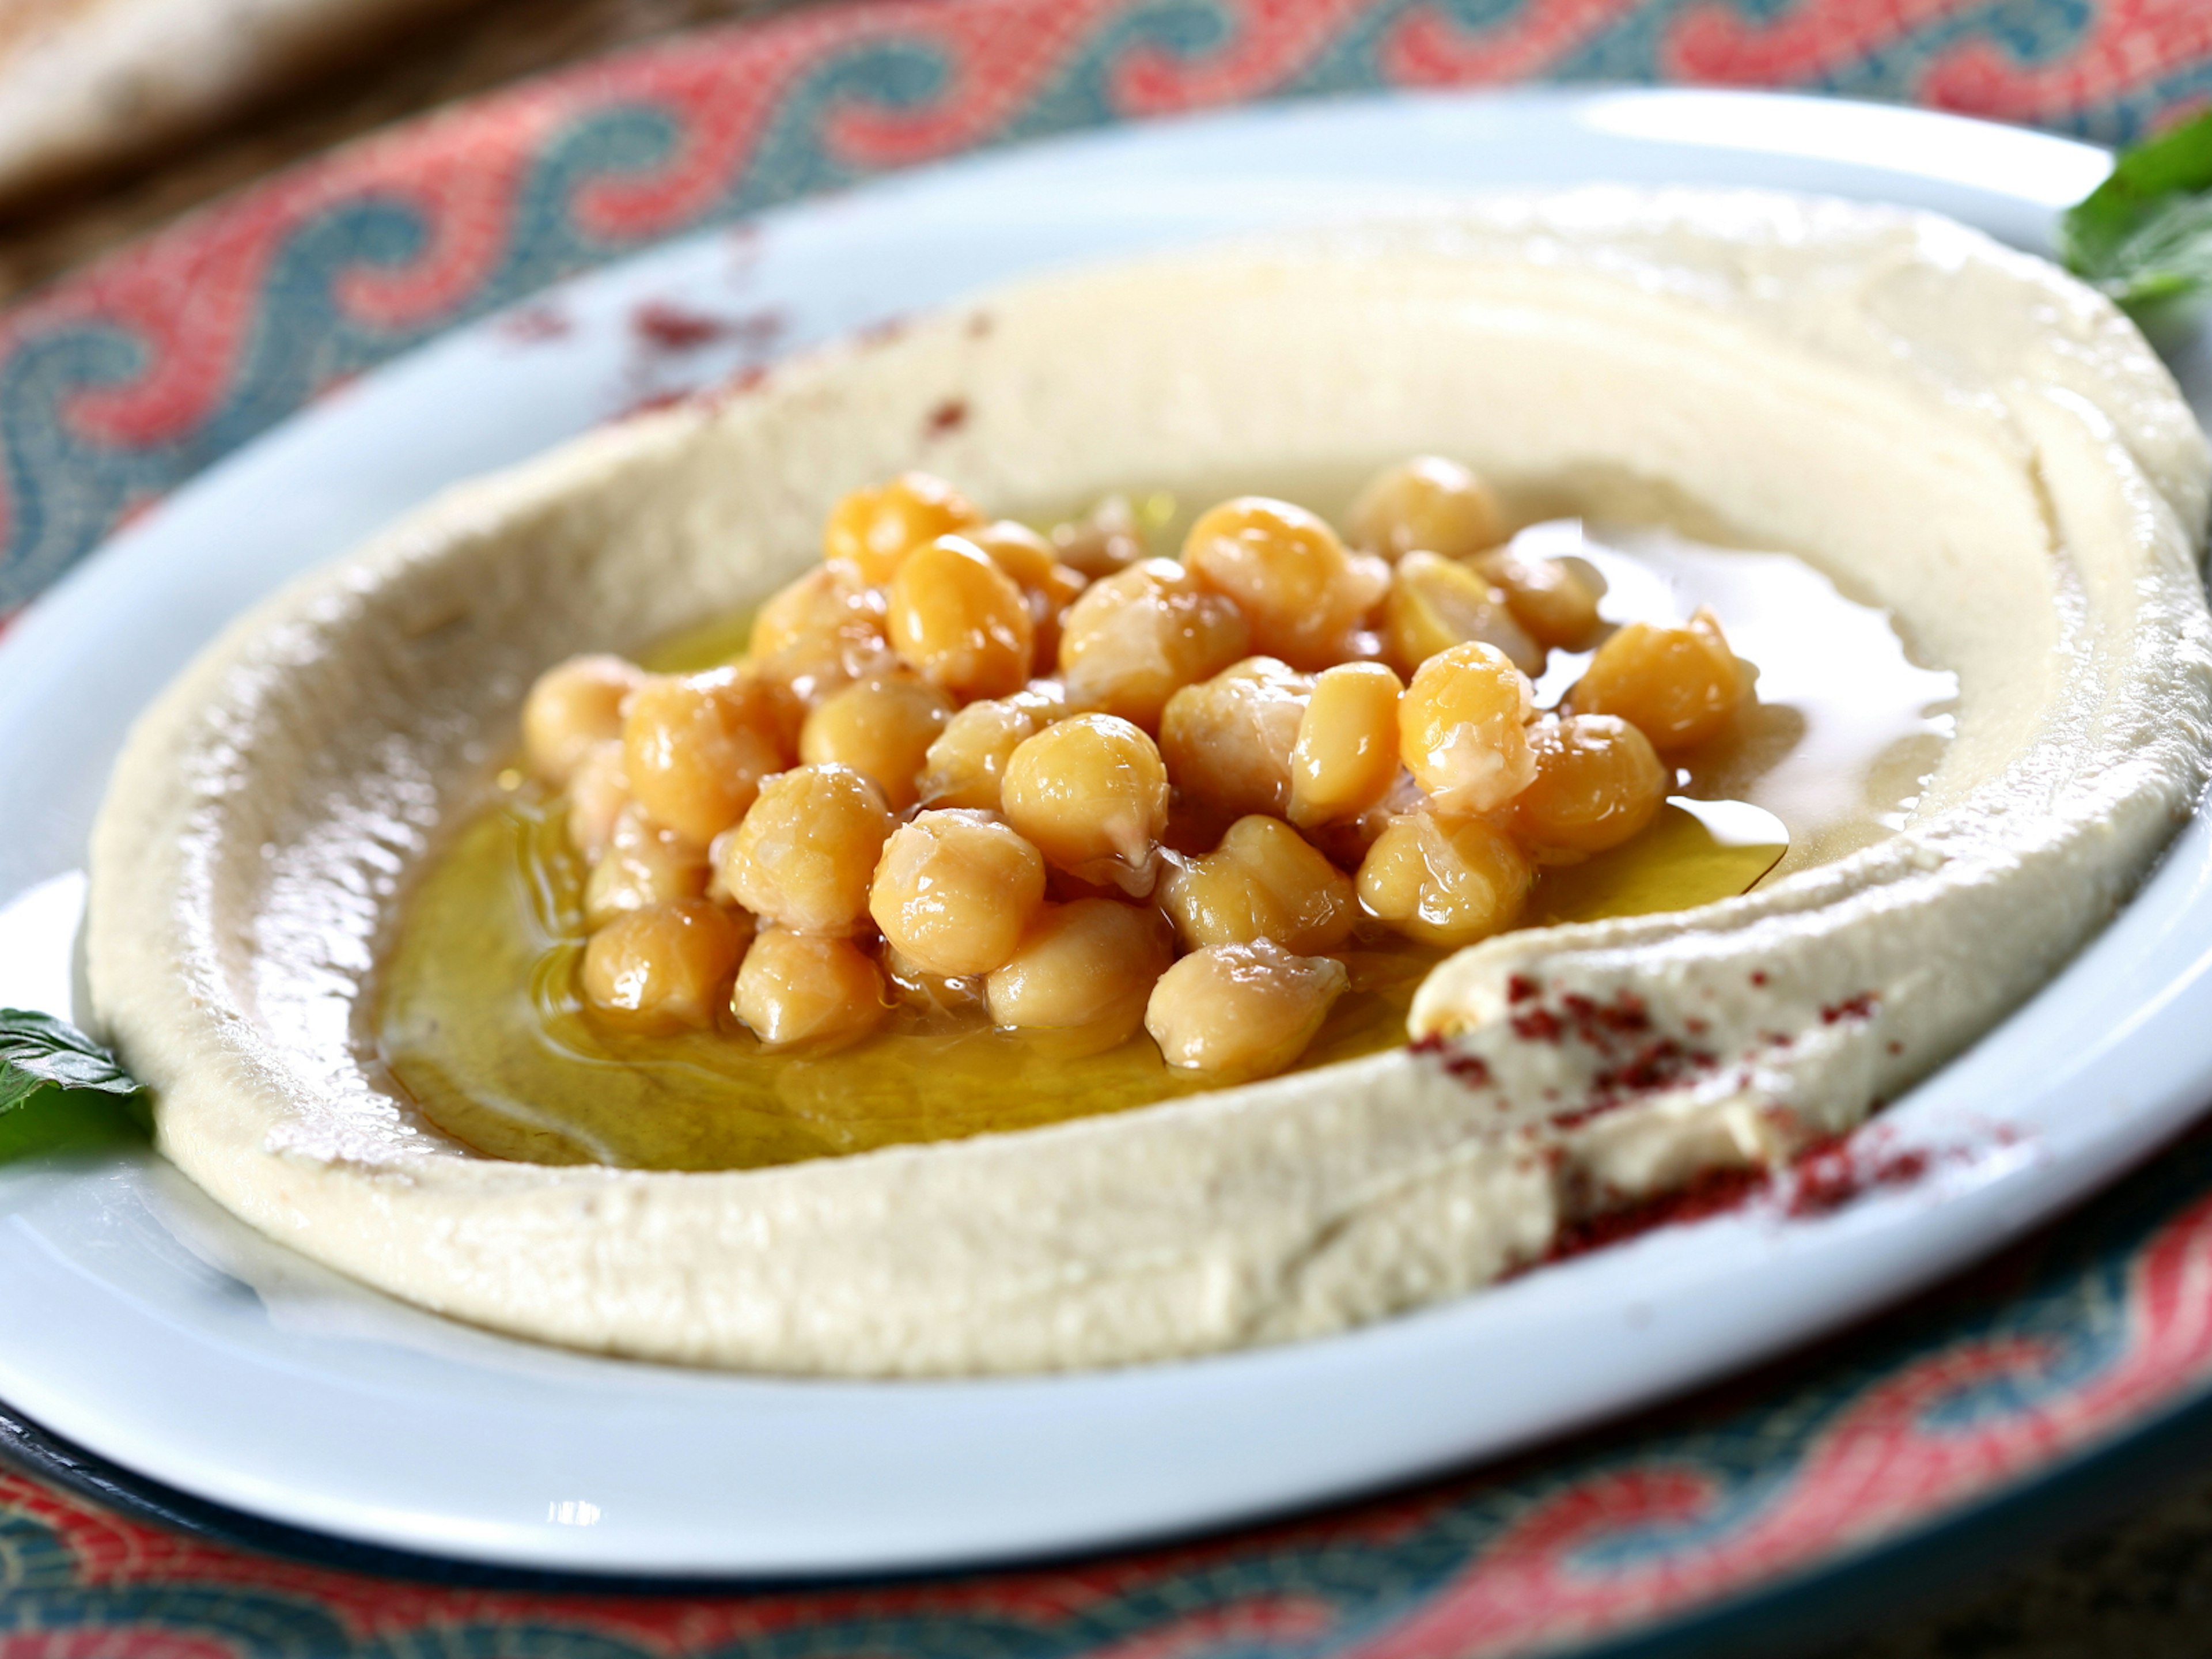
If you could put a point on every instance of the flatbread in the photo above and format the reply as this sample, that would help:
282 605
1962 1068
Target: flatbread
88 83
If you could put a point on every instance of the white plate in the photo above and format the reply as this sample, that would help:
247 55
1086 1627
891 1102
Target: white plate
141 1323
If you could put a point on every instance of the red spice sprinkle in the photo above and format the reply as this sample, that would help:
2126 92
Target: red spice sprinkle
656 401
1539 1025
534 323
1830 1176
1473 1070
1759 976
1522 988
1895 1047
1697 1027
665 327
948 417
1711 1192
1858 1008
672 328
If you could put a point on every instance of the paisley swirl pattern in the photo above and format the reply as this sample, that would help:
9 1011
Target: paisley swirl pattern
127 379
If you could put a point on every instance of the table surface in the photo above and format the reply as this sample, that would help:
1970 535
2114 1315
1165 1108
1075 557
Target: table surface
2139 1585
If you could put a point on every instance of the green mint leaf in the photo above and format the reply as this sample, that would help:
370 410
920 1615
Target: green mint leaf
38 1051
2145 235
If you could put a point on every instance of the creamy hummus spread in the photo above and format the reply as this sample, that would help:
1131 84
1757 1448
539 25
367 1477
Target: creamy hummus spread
1961 433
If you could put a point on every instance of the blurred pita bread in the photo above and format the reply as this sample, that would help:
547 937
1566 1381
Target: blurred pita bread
85 83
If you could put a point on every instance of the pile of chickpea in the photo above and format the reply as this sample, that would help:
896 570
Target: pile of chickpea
1048 782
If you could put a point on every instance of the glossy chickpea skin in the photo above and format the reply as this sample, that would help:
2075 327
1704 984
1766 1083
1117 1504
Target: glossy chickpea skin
881 727
959 621
874 530
823 631
695 748
1048 586
1345 757
1427 504
1091 793
808 988
665 968
1264 881
954 891
1445 882
1678 686
1136 638
1598 783
1228 739
1236 1011
575 707
1086 968
644 864
966 765
1553 601
1288 573
1461 730
598 791
804 856
1435 604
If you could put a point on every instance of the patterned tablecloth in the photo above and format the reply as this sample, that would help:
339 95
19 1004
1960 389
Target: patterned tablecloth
125 379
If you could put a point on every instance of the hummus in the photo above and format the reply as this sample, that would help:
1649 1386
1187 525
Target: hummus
1959 432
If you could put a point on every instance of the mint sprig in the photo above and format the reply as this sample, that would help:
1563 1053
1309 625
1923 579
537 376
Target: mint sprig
59 1088
2145 235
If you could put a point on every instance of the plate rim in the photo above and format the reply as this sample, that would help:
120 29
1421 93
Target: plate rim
1524 96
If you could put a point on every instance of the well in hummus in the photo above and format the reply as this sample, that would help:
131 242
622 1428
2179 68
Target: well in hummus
1957 435
957 784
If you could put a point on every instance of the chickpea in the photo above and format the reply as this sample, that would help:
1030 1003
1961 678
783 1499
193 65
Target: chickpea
1091 793
823 631
954 891
1017 549
1289 574
804 856
696 749
1048 586
1228 740
1262 882
643 865
573 708
876 529
1134 639
1554 601
959 621
807 987
1444 881
882 728
1345 757
664 968
597 792
1106 540
1461 729
1242 1011
1087 967
1678 686
1429 505
939 1000
966 763
1598 783
1434 604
